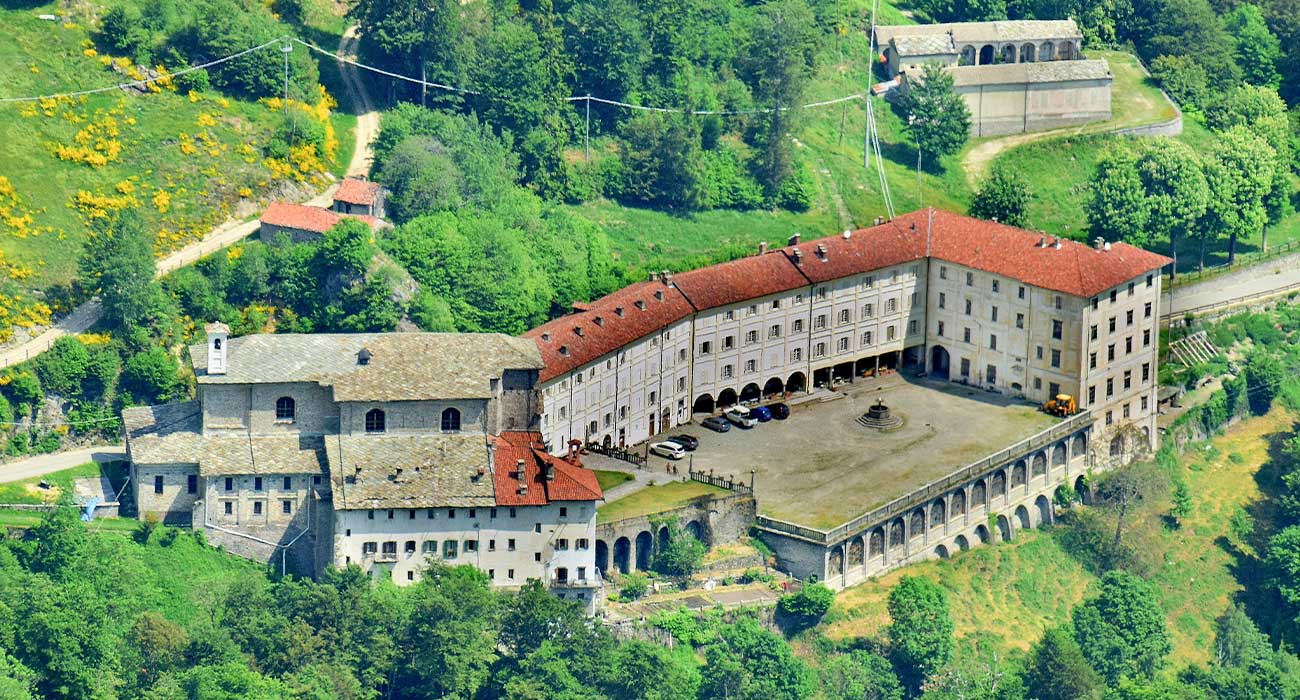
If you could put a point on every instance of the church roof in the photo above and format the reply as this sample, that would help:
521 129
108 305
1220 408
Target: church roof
926 39
401 367
410 471
1020 73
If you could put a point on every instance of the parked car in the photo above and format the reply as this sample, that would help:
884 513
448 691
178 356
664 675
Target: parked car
779 411
671 450
717 423
761 414
740 416
688 442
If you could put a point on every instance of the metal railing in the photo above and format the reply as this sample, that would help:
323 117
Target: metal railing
723 482
1171 316
903 503
617 453
1242 260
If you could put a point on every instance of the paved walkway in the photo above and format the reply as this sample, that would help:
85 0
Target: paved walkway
228 233
41 465
641 478
1268 276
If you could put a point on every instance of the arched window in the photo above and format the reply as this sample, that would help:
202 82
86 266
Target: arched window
374 421
284 409
450 420
216 343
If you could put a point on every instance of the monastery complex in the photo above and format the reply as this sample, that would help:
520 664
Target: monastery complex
382 450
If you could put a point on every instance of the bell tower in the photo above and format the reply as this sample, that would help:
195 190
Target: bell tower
218 336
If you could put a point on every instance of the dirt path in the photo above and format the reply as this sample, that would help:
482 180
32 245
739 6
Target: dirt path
229 232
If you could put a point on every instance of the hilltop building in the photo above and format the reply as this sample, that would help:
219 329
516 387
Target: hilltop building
970 301
380 450
354 199
1016 76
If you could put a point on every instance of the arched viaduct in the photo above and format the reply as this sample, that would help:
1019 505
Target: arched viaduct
990 500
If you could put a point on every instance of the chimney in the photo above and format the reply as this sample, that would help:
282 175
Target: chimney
564 351
659 295
218 334
519 469
821 250
548 470
639 304
798 256
1099 243
1106 246
654 276
577 330
397 475
1042 241
762 247
1056 242
546 337
847 234
363 357
880 220
794 240
599 320
667 277
994 219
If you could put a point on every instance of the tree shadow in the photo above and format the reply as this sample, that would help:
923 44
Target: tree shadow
1260 600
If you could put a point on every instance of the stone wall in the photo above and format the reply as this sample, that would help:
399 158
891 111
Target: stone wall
1023 107
629 544
174 504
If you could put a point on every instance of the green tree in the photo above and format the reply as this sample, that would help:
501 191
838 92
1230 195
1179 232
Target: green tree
1239 171
1117 208
1003 197
1283 563
805 608
778 63
430 38
1184 79
681 554
1122 631
635 661
859 675
57 541
432 313
964 10
24 389
160 644
1258 51
750 663
660 155
1182 501
151 375
937 117
1237 641
1176 191
920 631
1264 375
63 368
449 635
118 261
422 177
1057 670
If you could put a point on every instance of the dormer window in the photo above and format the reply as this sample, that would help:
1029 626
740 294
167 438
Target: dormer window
450 420
374 421
564 350
284 409
640 305
363 357
546 337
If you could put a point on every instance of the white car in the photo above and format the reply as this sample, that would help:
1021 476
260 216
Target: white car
741 416
671 450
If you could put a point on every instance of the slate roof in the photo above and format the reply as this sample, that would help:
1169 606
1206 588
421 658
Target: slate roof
1018 73
571 482
354 191
410 471
172 434
925 45
306 218
402 366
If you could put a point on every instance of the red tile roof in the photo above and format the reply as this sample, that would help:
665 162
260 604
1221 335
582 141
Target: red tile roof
305 218
607 324
1073 268
739 280
572 482
354 191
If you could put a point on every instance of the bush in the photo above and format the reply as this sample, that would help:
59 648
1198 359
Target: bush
681 555
796 192
144 530
635 586
805 608
1184 79
122 30
150 376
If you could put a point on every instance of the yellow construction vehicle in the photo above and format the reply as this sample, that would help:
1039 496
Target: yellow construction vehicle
1063 405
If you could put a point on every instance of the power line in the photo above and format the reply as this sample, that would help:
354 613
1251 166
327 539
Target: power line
139 83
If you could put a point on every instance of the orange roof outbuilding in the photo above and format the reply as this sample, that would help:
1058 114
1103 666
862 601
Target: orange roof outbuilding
569 481
354 191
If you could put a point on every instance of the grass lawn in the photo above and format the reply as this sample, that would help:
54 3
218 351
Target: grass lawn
1135 97
656 499
610 479
29 491
1011 592
184 161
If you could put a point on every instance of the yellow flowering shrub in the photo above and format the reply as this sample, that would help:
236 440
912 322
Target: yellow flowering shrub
90 53
206 119
96 143
94 338
162 201
99 206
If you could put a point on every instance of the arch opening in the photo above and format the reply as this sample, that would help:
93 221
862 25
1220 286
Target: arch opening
774 387
941 552
703 404
940 362
986 54
727 397
797 382
644 550
751 392
623 555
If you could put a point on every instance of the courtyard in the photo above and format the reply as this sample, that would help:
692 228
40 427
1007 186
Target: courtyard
820 467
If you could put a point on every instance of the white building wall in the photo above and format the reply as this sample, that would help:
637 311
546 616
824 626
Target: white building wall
1121 388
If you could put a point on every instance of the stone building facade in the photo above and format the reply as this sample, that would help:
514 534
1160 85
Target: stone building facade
379 450
972 301
1015 76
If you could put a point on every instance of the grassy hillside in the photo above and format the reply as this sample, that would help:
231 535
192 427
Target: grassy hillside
1011 592
188 160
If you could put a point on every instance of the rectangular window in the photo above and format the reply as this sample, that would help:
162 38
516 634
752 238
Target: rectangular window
993 314
1146 372
821 292
797 326
993 342
965 335
891 305
913 327
230 508
943 300
1053 388
1128 379
471 545
1056 358
991 374
537 528
1113 293
451 513
1110 352
750 366
842 345
449 549
796 355
1092 395
1058 329
1130 289
727 372
1146 311
429 547
776 303
995 286
751 337
1128 317
1092 332
562 544
369 547
1110 325
1126 411
819 322
492 545
943 272
288 484
286 507
965 367
257 507
192 483
158 484
970 279
1038 383
890 332
1059 303
1144 404
706 348
940 331
845 317
230 484
729 342
257 483
1020 293
1146 338
1110 387
1038 352
866 338
1128 345
868 311
968 306
819 350
1092 360
510 545
773 332
582 544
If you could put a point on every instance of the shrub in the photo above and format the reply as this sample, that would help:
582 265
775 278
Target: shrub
144 530
805 608
682 554
634 586
796 192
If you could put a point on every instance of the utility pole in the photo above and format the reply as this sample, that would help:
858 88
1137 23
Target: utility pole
286 48
587 137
